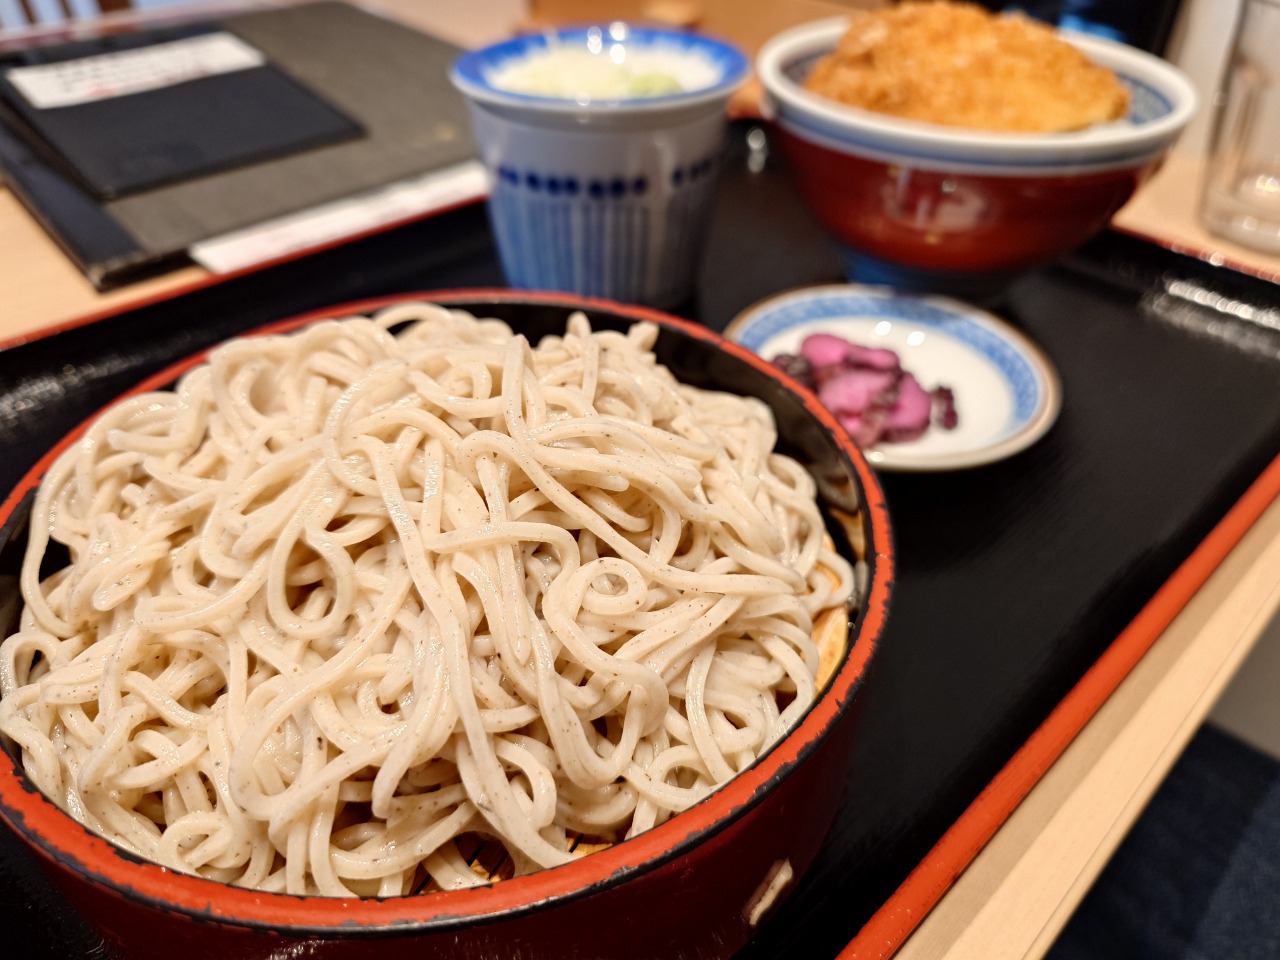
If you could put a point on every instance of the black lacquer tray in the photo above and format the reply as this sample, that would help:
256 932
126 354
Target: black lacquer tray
1012 578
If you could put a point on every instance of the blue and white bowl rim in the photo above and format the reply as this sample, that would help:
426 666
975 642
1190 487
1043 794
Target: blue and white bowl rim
470 72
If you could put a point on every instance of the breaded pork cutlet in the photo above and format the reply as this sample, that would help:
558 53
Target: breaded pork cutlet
957 64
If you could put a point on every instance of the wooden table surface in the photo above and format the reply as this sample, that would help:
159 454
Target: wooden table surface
1016 896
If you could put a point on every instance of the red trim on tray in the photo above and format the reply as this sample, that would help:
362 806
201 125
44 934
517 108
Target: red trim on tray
211 279
890 926
57 837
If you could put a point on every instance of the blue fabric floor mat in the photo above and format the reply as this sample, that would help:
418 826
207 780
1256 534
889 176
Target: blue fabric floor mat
1198 877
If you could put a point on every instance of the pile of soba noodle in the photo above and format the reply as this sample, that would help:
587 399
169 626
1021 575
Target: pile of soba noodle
348 604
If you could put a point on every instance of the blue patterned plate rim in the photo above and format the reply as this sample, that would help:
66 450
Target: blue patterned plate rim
1035 393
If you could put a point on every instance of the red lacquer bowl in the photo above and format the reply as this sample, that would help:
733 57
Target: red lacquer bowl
927 206
696 886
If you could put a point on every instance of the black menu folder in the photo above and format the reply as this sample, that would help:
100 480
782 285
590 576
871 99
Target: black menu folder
180 125
342 103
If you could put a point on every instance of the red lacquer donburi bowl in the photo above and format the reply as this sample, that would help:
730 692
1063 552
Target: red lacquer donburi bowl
928 206
696 886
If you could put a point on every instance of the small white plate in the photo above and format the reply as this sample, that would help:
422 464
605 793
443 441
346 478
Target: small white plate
1007 394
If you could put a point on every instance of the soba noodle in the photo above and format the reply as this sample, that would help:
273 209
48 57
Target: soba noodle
346 604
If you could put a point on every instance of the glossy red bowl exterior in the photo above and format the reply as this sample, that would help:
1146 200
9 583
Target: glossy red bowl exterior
724 862
920 201
952 221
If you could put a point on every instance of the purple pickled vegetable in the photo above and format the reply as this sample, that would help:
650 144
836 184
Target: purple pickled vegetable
824 350
798 368
853 391
908 419
944 406
868 391
876 358
865 427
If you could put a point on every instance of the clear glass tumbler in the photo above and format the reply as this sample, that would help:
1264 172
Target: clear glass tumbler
1241 198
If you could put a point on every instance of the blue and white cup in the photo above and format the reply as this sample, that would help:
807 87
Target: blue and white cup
600 178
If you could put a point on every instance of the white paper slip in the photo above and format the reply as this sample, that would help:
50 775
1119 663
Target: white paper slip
123 72
296 232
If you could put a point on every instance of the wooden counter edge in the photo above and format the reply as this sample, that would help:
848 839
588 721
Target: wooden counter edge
1016 896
